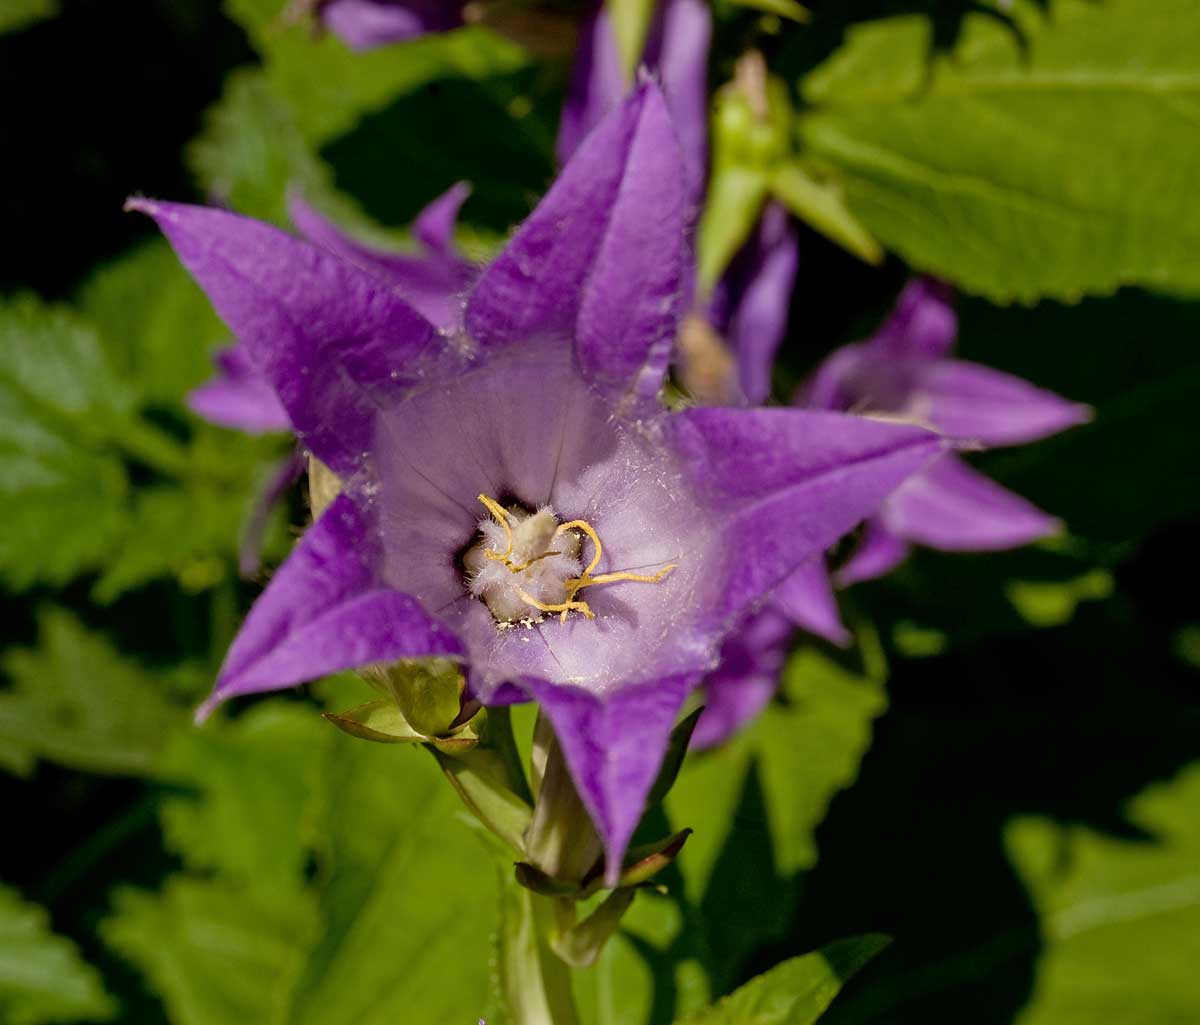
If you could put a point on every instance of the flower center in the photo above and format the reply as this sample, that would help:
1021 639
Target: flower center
526 564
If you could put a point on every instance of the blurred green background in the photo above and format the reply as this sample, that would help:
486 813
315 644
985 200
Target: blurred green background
1003 775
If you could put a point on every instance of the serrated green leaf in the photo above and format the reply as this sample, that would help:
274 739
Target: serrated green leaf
61 490
156 326
75 701
247 805
189 533
376 896
264 135
42 977
1118 915
796 992
216 952
1045 157
755 805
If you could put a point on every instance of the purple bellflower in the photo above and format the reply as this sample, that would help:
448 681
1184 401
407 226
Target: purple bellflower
431 280
513 494
728 341
906 373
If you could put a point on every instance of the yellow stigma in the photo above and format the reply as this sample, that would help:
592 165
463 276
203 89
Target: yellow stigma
573 585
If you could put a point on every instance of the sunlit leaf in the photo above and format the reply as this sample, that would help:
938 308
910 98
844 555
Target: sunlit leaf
1119 916
795 992
995 165
42 977
75 701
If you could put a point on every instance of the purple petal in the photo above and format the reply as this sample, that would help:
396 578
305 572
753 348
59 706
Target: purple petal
239 396
806 598
333 341
614 746
752 660
324 610
878 552
922 323
282 477
955 508
597 84
972 402
434 284
787 483
602 257
365 24
676 53
434 226
756 295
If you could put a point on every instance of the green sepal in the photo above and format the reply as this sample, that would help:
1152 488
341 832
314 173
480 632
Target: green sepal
428 691
820 204
533 878
751 136
677 749
580 945
641 864
480 776
379 721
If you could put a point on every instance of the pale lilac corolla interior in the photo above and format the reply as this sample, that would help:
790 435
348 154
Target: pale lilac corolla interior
525 428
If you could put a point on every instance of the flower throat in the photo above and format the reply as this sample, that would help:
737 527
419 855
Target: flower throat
527 564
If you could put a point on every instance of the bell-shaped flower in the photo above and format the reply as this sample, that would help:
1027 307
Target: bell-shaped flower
905 373
514 496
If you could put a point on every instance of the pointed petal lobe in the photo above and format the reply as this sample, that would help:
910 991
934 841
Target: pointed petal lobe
239 396
976 403
878 552
614 745
955 508
787 483
324 611
806 598
747 677
923 323
601 259
332 339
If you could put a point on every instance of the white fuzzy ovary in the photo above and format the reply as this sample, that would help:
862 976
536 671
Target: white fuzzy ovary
545 580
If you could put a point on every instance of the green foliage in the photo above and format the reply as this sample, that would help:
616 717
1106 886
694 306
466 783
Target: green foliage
1043 155
265 134
75 701
332 882
754 805
1119 916
18 14
42 977
157 328
74 387
63 489
795 992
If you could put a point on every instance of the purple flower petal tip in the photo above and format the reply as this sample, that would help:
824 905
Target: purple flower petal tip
614 745
955 508
742 685
325 610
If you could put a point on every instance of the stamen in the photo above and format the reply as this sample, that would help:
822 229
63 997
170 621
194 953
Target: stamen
572 585
588 529
501 516
563 607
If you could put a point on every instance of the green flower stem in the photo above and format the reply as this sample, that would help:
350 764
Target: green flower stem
535 984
